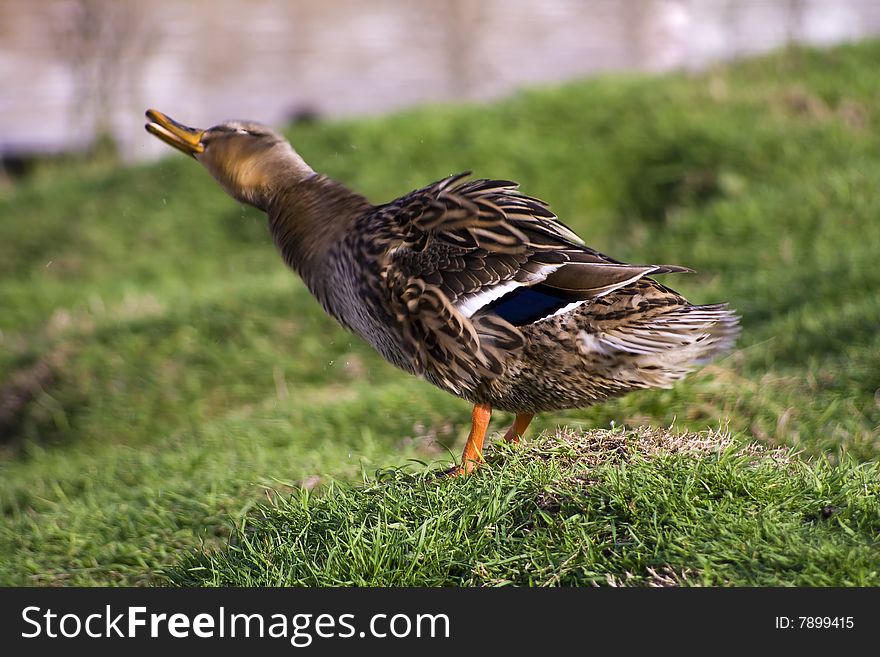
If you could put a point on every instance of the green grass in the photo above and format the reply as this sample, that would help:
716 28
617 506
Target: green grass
606 507
165 380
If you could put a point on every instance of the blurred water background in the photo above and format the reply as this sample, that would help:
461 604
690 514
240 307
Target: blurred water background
78 72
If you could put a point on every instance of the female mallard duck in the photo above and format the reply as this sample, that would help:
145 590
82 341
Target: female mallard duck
470 284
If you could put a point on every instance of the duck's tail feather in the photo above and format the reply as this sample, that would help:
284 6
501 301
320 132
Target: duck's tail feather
656 352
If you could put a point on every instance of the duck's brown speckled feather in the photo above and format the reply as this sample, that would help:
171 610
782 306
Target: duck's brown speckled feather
403 273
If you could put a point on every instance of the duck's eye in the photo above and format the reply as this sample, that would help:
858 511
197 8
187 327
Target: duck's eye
242 131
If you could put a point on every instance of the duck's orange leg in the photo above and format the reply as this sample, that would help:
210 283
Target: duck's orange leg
473 448
518 428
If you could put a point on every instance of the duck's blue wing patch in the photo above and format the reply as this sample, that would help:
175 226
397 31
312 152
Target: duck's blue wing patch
526 305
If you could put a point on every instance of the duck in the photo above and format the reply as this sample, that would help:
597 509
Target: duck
467 283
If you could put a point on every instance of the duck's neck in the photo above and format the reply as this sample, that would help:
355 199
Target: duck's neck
308 216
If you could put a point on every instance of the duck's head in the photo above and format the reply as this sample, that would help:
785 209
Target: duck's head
250 160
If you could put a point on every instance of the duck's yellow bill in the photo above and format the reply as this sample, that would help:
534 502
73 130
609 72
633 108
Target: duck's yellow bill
183 138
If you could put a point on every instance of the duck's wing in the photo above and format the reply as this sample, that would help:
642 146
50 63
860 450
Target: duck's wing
475 259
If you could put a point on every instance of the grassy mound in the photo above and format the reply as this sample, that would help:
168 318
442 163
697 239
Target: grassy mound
645 507
162 373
